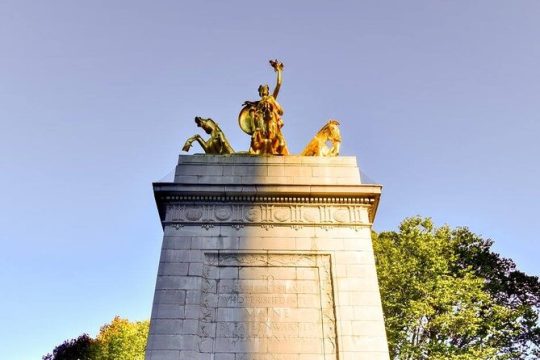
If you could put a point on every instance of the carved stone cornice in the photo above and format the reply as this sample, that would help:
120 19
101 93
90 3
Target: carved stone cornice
268 199
266 205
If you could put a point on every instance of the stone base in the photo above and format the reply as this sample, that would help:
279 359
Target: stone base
261 266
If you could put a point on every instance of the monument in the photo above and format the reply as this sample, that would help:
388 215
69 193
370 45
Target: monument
266 255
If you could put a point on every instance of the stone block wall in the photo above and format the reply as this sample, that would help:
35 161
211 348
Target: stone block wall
261 268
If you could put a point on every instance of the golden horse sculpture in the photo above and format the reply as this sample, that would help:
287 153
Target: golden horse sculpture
217 144
318 145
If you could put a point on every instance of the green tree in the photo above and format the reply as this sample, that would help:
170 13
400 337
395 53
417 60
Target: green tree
122 340
118 340
80 348
446 295
510 288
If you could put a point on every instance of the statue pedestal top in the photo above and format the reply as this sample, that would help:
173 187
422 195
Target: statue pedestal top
286 170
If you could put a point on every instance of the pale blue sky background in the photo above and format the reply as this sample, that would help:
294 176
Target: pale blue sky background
438 99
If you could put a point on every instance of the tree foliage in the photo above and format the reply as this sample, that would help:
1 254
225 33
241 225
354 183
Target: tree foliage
122 340
447 295
80 348
118 340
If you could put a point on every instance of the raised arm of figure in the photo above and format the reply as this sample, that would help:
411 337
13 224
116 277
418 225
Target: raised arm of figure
278 67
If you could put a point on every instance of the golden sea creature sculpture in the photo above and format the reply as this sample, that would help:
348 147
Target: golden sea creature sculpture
318 145
262 119
217 144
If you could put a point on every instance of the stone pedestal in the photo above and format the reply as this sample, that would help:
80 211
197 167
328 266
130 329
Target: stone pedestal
267 258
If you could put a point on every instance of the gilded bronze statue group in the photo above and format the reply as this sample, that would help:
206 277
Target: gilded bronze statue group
262 120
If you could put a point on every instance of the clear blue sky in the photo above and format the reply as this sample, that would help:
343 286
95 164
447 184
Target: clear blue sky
438 99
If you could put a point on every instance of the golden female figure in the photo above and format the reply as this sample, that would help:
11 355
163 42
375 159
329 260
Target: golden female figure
262 119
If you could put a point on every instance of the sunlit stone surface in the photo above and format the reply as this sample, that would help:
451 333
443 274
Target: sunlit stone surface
267 258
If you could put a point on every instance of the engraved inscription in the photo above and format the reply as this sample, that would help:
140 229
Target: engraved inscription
268 306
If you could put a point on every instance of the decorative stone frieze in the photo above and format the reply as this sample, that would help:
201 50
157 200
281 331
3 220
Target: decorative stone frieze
279 214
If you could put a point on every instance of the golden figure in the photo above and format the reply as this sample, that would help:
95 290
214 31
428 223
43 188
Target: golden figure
217 144
317 146
262 119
